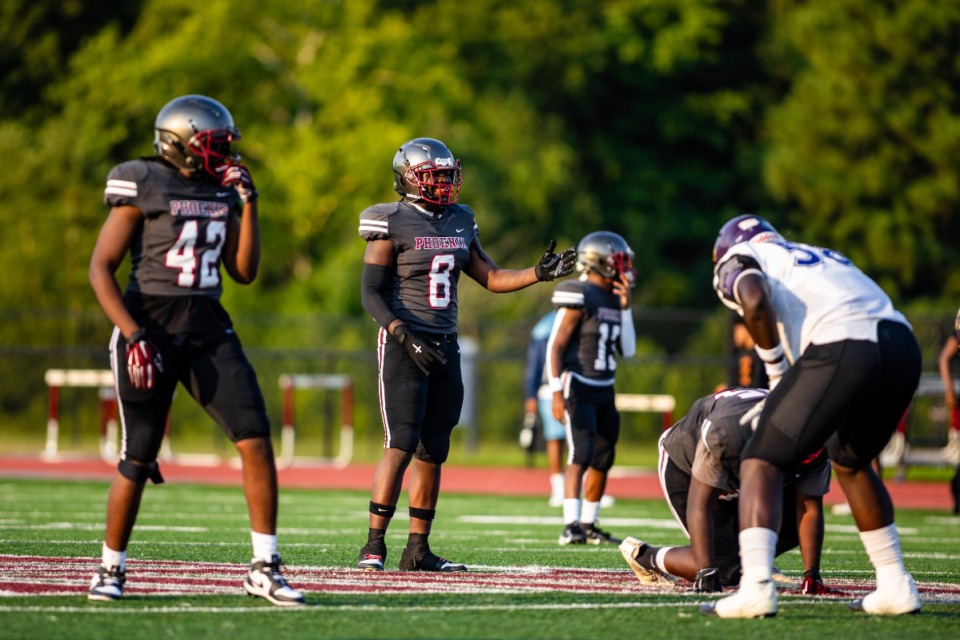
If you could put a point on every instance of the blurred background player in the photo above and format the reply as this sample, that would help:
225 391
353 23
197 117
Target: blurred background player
699 471
947 355
538 403
843 366
416 250
594 326
745 367
181 215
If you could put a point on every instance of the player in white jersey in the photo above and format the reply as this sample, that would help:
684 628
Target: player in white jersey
843 366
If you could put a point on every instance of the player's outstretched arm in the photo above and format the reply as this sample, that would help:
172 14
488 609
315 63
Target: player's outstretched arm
491 277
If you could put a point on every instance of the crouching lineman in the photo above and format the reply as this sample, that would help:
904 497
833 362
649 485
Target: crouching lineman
699 472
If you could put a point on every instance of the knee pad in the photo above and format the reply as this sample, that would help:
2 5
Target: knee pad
602 456
140 473
433 451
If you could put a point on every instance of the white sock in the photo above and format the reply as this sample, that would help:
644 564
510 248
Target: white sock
556 484
571 510
757 548
883 549
589 512
112 558
264 546
658 560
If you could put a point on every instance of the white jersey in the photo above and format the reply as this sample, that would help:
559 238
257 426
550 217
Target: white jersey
818 294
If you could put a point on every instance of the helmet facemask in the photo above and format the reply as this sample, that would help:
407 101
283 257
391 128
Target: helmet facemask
425 170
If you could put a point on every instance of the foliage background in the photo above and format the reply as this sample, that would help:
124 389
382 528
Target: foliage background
657 119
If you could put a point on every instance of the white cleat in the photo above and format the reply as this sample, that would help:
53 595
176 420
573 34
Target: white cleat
630 548
893 598
752 600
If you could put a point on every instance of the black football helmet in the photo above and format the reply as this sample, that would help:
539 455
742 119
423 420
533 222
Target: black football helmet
194 133
746 228
416 167
606 253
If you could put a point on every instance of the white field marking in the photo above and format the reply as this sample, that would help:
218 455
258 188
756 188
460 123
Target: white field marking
557 521
94 526
351 607
849 528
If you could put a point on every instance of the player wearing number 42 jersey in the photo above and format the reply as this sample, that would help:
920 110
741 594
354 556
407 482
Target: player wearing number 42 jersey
180 216
843 367
416 251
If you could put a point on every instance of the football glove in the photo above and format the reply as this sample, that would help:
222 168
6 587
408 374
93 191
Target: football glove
812 584
707 581
143 361
955 418
238 177
552 265
527 433
424 354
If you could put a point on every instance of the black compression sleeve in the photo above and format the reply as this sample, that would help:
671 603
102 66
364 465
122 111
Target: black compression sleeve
375 285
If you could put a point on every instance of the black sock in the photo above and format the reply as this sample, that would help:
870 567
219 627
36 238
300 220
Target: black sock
418 541
648 556
376 534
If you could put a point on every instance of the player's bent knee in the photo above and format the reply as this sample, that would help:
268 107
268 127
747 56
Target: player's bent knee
433 451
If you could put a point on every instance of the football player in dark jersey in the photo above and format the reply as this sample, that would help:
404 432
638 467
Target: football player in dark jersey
594 326
699 471
416 250
180 215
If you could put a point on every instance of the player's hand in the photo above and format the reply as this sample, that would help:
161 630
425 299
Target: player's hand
425 355
955 418
238 176
552 265
526 433
707 581
143 361
621 288
812 584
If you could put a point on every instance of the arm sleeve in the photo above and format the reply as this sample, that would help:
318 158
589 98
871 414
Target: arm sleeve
533 373
628 335
375 287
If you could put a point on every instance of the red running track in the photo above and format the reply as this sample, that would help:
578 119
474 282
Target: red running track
623 483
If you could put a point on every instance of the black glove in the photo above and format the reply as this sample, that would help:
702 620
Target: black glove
238 177
552 266
707 581
424 354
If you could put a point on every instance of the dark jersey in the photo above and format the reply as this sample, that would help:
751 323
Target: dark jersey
432 249
592 350
185 226
175 281
707 443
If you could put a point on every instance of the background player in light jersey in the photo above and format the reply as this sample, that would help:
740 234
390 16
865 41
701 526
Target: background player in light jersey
699 473
181 215
416 250
594 326
855 367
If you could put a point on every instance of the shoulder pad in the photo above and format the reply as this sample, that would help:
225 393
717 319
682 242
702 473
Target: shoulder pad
726 274
375 223
123 183
569 294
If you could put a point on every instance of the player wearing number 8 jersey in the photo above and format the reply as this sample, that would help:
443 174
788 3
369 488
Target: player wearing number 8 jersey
594 326
180 216
416 251
843 366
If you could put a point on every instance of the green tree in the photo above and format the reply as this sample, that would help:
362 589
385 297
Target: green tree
863 149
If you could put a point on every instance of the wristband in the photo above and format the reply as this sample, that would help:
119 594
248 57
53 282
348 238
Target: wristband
770 355
776 369
556 385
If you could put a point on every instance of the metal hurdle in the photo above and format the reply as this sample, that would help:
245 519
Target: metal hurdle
289 384
663 404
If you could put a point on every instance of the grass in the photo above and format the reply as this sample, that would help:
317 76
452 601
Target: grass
503 539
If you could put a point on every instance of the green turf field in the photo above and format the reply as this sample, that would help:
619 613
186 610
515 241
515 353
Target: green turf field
189 552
